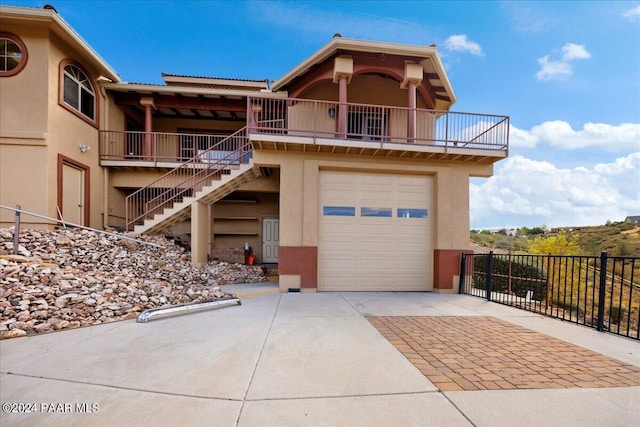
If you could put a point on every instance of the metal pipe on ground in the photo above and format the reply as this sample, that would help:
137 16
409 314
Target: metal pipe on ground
178 310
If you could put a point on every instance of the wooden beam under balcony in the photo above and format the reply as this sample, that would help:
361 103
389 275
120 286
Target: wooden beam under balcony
183 102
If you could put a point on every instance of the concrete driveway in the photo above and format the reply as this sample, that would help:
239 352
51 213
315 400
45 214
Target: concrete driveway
286 359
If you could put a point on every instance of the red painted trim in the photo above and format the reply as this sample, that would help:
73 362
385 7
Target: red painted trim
96 107
23 49
62 160
300 260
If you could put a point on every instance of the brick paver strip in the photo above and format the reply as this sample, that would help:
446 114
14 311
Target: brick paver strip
486 353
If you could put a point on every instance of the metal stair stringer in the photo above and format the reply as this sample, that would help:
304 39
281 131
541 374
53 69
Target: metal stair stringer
207 195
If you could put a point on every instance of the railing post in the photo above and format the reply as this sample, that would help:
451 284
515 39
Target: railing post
463 264
601 293
446 131
16 230
489 274
126 213
509 275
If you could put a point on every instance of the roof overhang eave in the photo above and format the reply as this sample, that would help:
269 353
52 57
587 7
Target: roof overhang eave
63 30
182 90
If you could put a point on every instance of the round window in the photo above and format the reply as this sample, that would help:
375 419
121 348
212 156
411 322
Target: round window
13 55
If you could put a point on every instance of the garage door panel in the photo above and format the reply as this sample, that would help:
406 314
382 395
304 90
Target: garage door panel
339 263
374 249
411 234
337 228
343 238
370 241
412 265
372 264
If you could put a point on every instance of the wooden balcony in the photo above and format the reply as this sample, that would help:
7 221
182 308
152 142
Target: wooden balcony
160 149
374 130
290 124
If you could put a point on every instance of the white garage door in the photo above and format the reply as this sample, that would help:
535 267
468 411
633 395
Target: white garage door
374 232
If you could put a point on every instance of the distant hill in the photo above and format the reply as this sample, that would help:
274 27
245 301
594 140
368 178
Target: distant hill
618 239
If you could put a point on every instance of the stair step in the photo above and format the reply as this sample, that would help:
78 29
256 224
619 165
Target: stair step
217 189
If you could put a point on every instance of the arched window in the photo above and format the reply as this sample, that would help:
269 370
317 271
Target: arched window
13 55
77 92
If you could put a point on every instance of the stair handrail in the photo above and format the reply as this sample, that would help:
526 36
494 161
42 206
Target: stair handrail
197 170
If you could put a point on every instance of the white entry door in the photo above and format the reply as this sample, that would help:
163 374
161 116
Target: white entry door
270 239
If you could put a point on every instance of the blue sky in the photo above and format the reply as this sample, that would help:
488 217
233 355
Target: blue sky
567 73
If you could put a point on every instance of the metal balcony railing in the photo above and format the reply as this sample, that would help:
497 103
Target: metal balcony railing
154 147
385 125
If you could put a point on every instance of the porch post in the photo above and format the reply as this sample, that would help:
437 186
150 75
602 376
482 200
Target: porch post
412 78
342 108
342 73
200 233
148 127
411 119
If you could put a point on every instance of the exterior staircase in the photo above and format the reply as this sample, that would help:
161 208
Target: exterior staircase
206 178
181 211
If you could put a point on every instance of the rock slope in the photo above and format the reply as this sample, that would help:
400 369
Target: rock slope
69 278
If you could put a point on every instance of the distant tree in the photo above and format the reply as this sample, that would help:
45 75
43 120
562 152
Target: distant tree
622 249
560 244
523 231
502 231
608 223
536 230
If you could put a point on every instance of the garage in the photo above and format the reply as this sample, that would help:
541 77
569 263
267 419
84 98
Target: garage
374 232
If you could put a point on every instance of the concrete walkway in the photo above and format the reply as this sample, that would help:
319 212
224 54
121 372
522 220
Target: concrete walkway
287 359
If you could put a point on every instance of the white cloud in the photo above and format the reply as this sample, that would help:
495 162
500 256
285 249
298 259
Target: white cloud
529 192
460 43
552 69
572 51
632 14
561 68
624 137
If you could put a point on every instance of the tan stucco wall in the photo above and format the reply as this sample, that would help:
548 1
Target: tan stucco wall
366 89
20 188
66 132
31 116
23 131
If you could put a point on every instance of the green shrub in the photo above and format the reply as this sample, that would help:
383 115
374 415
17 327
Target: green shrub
524 277
617 314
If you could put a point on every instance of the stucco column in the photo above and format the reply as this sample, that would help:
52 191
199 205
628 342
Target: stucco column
412 78
411 119
148 127
200 232
452 223
342 73
342 107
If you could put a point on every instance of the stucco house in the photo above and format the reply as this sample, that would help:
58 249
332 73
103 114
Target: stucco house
350 171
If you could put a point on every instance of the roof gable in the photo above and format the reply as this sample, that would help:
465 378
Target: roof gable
426 56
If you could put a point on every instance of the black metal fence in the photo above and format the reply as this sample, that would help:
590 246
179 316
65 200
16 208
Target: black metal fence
601 292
